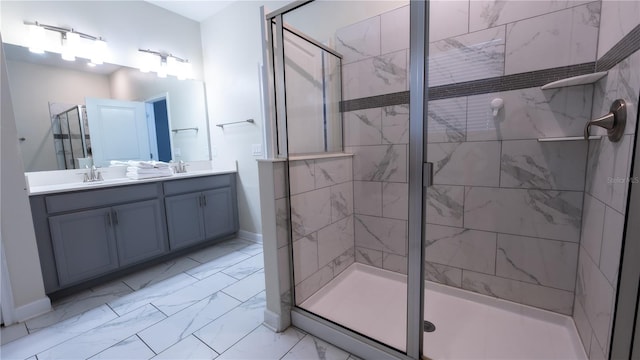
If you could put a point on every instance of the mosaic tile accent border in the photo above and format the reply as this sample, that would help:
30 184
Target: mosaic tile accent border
623 49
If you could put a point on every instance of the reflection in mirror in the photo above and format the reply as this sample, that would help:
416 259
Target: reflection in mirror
70 135
44 86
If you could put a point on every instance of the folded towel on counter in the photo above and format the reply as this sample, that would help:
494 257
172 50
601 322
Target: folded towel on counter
141 164
138 170
149 164
138 176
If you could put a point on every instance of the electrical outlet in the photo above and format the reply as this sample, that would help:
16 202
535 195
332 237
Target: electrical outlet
256 149
177 152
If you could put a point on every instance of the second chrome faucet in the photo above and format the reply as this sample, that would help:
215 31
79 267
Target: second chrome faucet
92 175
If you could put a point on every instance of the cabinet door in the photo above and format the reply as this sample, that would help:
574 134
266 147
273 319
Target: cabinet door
184 219
219 213
139 231
84 245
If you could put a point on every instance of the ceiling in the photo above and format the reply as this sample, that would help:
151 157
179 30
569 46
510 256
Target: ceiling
197 10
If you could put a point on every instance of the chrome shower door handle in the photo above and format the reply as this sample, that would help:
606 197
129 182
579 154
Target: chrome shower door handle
615 121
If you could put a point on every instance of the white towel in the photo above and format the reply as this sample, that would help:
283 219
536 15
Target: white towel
136 170
137 176
140 164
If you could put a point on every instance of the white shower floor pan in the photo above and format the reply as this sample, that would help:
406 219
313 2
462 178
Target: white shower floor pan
372 302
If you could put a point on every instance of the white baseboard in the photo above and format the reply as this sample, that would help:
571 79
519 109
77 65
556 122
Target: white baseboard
257 238
32 309
276 322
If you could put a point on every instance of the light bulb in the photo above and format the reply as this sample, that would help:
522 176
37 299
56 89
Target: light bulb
181 74
162 70
99 51
147 62
173 66
187 70
69 46
36 39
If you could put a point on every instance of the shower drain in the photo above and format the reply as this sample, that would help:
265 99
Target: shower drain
429 327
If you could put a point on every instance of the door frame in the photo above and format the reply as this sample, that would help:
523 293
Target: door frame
150 101
336 334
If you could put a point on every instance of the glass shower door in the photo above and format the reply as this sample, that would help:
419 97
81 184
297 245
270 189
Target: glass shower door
343 126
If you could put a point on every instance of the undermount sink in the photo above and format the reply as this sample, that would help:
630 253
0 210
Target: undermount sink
104 182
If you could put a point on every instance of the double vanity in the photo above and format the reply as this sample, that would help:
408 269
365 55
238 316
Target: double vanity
89 232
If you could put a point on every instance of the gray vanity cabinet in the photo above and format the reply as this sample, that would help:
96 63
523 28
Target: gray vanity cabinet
197 216
84 244
139 230
184 219
85 235
88 243
217 212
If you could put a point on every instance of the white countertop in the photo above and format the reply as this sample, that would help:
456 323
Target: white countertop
122 181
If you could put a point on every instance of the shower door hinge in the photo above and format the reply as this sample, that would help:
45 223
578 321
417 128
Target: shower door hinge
427 174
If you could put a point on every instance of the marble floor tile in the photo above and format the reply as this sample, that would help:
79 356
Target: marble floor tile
218 250
189 348
253 249
248 287
246 267
55 334
156 291
311 348
12 332
155 274
78 304
178 326
217 265
263 343
202 320
190 295
228 329
105 335
128 349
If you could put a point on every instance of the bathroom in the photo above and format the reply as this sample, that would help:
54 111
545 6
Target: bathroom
519 206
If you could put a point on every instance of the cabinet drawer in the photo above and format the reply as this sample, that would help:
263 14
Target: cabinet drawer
182 186
101 197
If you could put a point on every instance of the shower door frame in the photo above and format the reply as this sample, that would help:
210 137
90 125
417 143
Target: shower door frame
338 335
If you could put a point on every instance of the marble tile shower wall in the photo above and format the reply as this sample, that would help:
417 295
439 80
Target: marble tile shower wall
607 187
322 221
505 212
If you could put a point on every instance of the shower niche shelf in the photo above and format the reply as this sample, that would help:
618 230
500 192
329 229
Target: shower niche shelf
575 80
569 138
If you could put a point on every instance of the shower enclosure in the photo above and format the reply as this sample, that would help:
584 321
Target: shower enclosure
435 196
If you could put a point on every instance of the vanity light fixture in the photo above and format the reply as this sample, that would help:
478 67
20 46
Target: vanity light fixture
164 64
72 44
36 38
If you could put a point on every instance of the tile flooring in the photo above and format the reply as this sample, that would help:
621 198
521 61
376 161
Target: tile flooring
205 305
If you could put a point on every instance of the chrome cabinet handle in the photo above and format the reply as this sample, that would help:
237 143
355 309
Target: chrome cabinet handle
115 217
109 220
615 121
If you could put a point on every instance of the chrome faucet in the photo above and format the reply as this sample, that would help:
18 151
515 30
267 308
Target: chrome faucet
92 175
181 167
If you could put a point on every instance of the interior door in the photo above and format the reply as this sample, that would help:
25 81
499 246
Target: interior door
119 130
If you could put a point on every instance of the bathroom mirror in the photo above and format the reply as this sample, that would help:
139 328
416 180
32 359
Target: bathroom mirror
38 81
